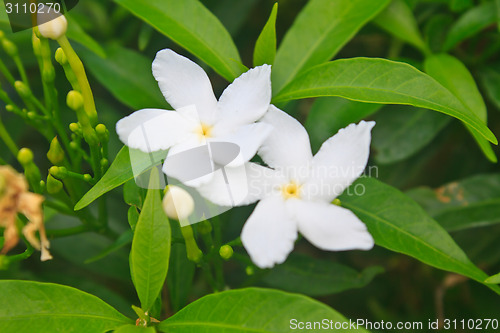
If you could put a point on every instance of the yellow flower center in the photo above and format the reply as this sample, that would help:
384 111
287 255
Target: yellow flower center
291 190
204 131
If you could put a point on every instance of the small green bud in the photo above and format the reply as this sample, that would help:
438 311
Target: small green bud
87 178
4 262
22 89
31 115
61 57
75 128
25 156
104 163
54 28
204 227
9 107
54 186
73 145
58 172
9 47
42 185
226 252
74 100
37 46
48 74
55 153
336 202
102 132
250 270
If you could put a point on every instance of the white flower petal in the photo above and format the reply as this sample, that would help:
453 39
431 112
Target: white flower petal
184 83
288 144
248 138
339 162
330 227
189 162
240 186
246 99
152 129
269 233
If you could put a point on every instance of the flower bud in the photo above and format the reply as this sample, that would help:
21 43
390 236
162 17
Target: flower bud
9 107
37 45
61 57
58 172
74 145
22 89
102 132
75 128
336 202
25 156
56 153
250 270
87 177
178 203
74 100
54 186
104 163
48 74
226 252
9 47
31 115
53 27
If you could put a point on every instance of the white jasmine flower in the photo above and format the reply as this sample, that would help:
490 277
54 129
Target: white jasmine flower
199 118
296 194
52 25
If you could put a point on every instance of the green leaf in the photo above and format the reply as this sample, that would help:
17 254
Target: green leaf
145 35
470 23
399 224
329 114
121 171
469 203
398 19
192 26
380 81
490 79
250 310
127 75
316 277
124 239
150 251
133 195
453 75
76 33
27 306
265 47
134 329
495 279
132 217
322 28
399 135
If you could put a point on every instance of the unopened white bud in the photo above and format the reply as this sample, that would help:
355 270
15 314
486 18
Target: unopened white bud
52 26
178 203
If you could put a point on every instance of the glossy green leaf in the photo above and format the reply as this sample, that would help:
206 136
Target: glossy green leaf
383 81
133 195
398 19
265 47
469 203
399 224
470 23
453 75
127 75
316 277
401 133
490 80
121 171
132 217
250 310
436 29
134 329
322 28
192 26
329 114
495 279
150 253
76 33
27 306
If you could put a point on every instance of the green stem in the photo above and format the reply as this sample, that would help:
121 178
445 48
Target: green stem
54 233
22 71
77 67
7 139
5 71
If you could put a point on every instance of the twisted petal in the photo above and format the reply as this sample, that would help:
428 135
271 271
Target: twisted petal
339 162
288 144
330 227
269 233
184 83
246 99
153 129
248 138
